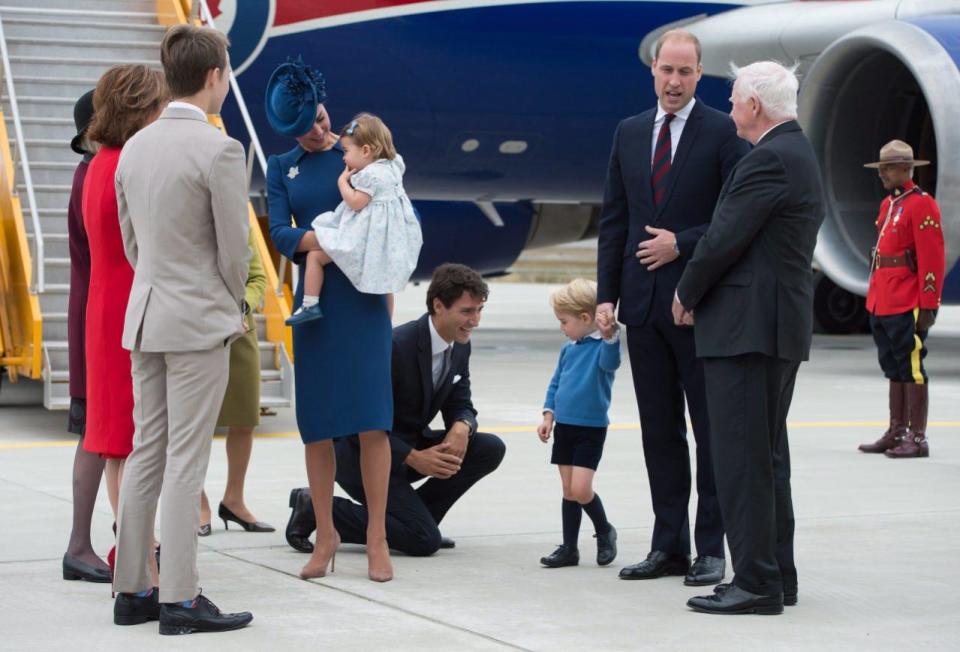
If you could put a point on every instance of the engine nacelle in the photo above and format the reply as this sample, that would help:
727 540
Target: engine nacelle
896 79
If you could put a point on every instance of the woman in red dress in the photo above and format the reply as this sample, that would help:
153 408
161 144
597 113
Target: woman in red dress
126 99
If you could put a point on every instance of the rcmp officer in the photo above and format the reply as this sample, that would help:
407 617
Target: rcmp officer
906 278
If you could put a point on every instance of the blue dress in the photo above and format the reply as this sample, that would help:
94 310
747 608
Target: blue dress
342 361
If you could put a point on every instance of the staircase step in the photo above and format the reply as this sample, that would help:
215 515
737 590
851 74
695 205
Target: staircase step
71 67
72 86
40 107
55 172
78 28
54 128
47 195
116 10
54 244
99 49
54 298
44 149
55 269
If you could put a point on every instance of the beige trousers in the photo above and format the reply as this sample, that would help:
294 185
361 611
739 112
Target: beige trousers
176 398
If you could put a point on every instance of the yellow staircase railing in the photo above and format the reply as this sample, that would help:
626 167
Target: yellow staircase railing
21 351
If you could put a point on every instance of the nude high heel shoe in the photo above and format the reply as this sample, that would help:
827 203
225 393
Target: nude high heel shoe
384 572
311 571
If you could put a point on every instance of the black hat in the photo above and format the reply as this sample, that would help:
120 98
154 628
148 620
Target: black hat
82 115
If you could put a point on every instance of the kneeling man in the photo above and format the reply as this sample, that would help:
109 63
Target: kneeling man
431 375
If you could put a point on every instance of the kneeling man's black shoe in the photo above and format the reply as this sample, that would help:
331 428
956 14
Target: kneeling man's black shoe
657 564
203 616
562 556
705 571
446 543
731 599
302 521
606 546
132 609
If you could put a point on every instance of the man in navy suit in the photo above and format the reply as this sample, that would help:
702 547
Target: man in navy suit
666 170
431 375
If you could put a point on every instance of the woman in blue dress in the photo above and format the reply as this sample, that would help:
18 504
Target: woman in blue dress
341 362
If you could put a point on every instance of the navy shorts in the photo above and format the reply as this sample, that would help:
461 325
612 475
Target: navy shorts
578 445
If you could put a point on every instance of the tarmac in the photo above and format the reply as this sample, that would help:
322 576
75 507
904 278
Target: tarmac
875 538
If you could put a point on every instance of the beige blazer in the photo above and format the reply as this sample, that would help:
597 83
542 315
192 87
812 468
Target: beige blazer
182 198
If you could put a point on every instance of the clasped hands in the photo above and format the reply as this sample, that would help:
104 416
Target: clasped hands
442 460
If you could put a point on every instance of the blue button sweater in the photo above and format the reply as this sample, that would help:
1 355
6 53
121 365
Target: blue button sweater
579 392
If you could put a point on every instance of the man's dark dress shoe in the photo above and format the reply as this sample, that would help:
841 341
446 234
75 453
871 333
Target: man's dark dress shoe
302 522
74 569
447 543
606 546
131 609
562 556
789 597
255 526
657 564
706 570
203 616
734 600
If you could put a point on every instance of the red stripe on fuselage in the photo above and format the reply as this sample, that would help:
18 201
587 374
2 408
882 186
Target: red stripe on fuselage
297 11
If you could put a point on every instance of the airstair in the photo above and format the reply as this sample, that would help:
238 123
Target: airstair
54 51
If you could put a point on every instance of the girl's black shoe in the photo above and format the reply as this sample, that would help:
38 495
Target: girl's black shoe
562 556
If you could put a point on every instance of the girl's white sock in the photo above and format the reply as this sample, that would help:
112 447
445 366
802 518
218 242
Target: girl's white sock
310 300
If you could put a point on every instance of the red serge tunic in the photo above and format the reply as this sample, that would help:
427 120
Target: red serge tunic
109 383
913 225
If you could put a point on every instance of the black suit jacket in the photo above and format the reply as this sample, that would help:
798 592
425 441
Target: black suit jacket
750 280
415 404
708 150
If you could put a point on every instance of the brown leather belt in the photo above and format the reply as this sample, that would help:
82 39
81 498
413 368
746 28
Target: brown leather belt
904 260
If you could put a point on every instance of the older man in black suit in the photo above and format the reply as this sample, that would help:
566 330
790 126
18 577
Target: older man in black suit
666 170
431 375
749 288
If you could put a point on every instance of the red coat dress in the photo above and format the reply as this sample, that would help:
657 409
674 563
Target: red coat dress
109 383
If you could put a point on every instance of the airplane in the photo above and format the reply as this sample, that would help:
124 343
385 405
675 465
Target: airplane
504 109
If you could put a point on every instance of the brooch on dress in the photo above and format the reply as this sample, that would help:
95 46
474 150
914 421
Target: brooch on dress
294 171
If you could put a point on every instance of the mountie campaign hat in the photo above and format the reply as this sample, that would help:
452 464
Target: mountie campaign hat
896 151
293 93
82 115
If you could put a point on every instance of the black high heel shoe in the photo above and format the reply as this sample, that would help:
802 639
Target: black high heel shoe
257 526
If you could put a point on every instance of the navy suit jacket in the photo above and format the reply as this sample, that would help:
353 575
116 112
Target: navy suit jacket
708 150
415 404
750 283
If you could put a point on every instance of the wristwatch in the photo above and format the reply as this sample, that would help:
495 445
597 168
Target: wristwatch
469 426
676 246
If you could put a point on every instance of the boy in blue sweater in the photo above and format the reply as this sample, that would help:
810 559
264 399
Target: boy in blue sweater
576 410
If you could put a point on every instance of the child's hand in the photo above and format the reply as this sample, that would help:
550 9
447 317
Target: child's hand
346 174
607 329
543 430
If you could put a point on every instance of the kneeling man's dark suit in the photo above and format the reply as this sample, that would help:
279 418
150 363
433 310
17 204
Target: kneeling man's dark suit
413 515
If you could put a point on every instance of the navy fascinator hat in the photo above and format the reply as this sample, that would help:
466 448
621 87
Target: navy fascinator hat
293 93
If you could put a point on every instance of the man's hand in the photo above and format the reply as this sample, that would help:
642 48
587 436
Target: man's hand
659 250
681 316
605 317
926 319
457 438
435 462
543 430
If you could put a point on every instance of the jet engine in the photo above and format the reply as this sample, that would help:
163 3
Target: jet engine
896 79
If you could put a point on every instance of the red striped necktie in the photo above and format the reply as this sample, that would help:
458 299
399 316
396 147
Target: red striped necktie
661 160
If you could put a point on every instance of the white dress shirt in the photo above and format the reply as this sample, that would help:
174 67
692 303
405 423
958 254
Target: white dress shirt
187 105
771 129
676 127
439 347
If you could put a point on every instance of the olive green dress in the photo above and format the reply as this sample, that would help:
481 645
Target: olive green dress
241 403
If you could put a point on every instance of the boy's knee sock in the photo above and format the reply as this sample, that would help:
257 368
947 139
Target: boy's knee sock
572 513
594 510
